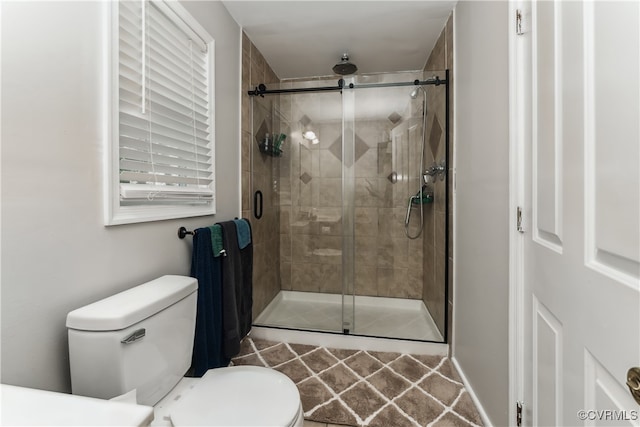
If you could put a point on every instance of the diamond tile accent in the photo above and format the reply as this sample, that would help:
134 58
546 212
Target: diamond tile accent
336 148
305 177
360 147
305 120
434 135
394 117
367 389
262 131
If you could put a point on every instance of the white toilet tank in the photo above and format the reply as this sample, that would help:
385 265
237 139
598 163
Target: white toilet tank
140 339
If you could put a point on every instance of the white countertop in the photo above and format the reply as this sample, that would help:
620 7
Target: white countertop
28 406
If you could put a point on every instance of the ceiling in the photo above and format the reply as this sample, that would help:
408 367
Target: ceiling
307 38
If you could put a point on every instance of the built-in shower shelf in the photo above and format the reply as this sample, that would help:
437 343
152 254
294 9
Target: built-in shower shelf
272 146
269 150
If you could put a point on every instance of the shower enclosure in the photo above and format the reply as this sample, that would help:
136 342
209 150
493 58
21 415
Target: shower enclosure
357 185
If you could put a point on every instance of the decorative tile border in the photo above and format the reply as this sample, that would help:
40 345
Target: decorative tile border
368 388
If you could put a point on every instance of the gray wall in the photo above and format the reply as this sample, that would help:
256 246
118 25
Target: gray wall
56 253
481 320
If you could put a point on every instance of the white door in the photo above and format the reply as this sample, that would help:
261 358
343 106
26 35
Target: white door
578 74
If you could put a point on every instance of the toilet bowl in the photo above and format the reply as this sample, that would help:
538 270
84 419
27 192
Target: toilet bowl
142 339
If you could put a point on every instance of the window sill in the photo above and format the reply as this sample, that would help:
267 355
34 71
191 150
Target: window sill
137 214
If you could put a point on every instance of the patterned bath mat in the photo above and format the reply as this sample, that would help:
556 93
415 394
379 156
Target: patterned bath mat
368 388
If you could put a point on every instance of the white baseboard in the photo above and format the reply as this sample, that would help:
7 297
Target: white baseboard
485 418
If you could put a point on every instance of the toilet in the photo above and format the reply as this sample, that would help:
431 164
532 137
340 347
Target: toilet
139 343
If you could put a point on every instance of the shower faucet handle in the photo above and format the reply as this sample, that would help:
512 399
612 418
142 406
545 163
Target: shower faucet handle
434 170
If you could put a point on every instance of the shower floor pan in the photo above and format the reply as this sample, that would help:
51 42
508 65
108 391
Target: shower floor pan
374 316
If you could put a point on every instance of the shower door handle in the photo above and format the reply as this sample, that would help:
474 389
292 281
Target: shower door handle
257 206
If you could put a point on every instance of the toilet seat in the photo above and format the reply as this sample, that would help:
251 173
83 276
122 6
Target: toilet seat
240 396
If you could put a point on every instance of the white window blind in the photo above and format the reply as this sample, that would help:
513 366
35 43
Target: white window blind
165 147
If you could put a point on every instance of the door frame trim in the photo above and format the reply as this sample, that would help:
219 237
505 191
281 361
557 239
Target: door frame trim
517 126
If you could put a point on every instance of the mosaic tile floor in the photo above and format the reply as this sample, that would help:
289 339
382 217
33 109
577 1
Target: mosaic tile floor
368 388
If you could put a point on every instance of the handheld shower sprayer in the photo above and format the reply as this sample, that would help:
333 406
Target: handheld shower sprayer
419 198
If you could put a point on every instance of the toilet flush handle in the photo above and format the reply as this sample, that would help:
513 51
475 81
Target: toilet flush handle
136 336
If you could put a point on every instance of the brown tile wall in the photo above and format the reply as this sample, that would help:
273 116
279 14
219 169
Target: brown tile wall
263 177
387 263
310 194
436 258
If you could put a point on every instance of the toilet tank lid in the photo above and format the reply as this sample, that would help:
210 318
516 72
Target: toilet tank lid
133 305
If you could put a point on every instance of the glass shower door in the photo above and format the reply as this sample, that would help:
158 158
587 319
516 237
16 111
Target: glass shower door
347 174
348 211
390 232
311 209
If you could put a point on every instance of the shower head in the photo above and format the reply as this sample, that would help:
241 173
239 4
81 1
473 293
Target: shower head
345 67
414 93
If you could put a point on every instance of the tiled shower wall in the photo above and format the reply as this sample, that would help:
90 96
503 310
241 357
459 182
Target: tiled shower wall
310 191
441 58
387 263
266 247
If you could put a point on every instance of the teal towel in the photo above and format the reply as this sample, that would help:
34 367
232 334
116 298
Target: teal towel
243 229
216 239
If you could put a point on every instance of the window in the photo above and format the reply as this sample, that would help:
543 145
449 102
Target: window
162 154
